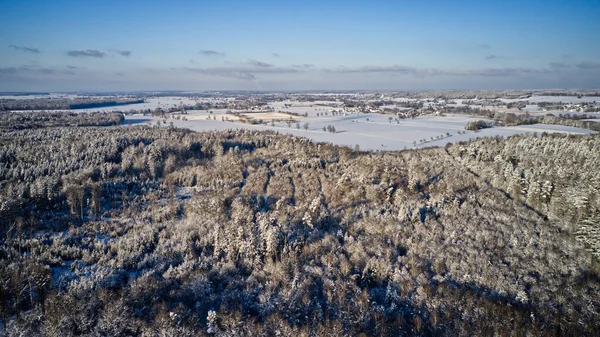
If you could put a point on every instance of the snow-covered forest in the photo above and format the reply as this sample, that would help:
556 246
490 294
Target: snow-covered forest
159 231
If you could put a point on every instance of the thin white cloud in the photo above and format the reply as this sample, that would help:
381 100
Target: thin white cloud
25 49
241 72
259 64
374 69
394 69
86 53
589 65
207 52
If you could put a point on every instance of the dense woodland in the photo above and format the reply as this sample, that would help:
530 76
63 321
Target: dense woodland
558 179
62 104
19 120
157 231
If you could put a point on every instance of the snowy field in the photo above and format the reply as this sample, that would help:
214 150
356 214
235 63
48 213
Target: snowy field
369 131
301 107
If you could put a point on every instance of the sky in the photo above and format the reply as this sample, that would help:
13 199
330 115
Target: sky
135 45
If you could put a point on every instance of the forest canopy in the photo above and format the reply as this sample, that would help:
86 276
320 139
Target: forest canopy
160 231
18 120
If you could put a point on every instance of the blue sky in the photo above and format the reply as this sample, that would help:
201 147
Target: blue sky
54 45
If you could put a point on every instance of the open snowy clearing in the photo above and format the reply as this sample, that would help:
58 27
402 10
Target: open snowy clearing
270 115
368 131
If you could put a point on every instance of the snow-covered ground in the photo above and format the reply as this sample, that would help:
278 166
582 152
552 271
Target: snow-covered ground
369 131
564 99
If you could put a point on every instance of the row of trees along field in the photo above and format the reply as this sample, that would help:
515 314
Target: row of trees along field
160 231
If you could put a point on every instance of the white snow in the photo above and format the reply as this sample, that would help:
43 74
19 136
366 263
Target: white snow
369 131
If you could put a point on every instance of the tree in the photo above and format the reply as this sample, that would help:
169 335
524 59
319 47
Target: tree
74 194
96 199
306 126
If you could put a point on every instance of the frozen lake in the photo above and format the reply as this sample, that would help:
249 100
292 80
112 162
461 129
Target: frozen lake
369 131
